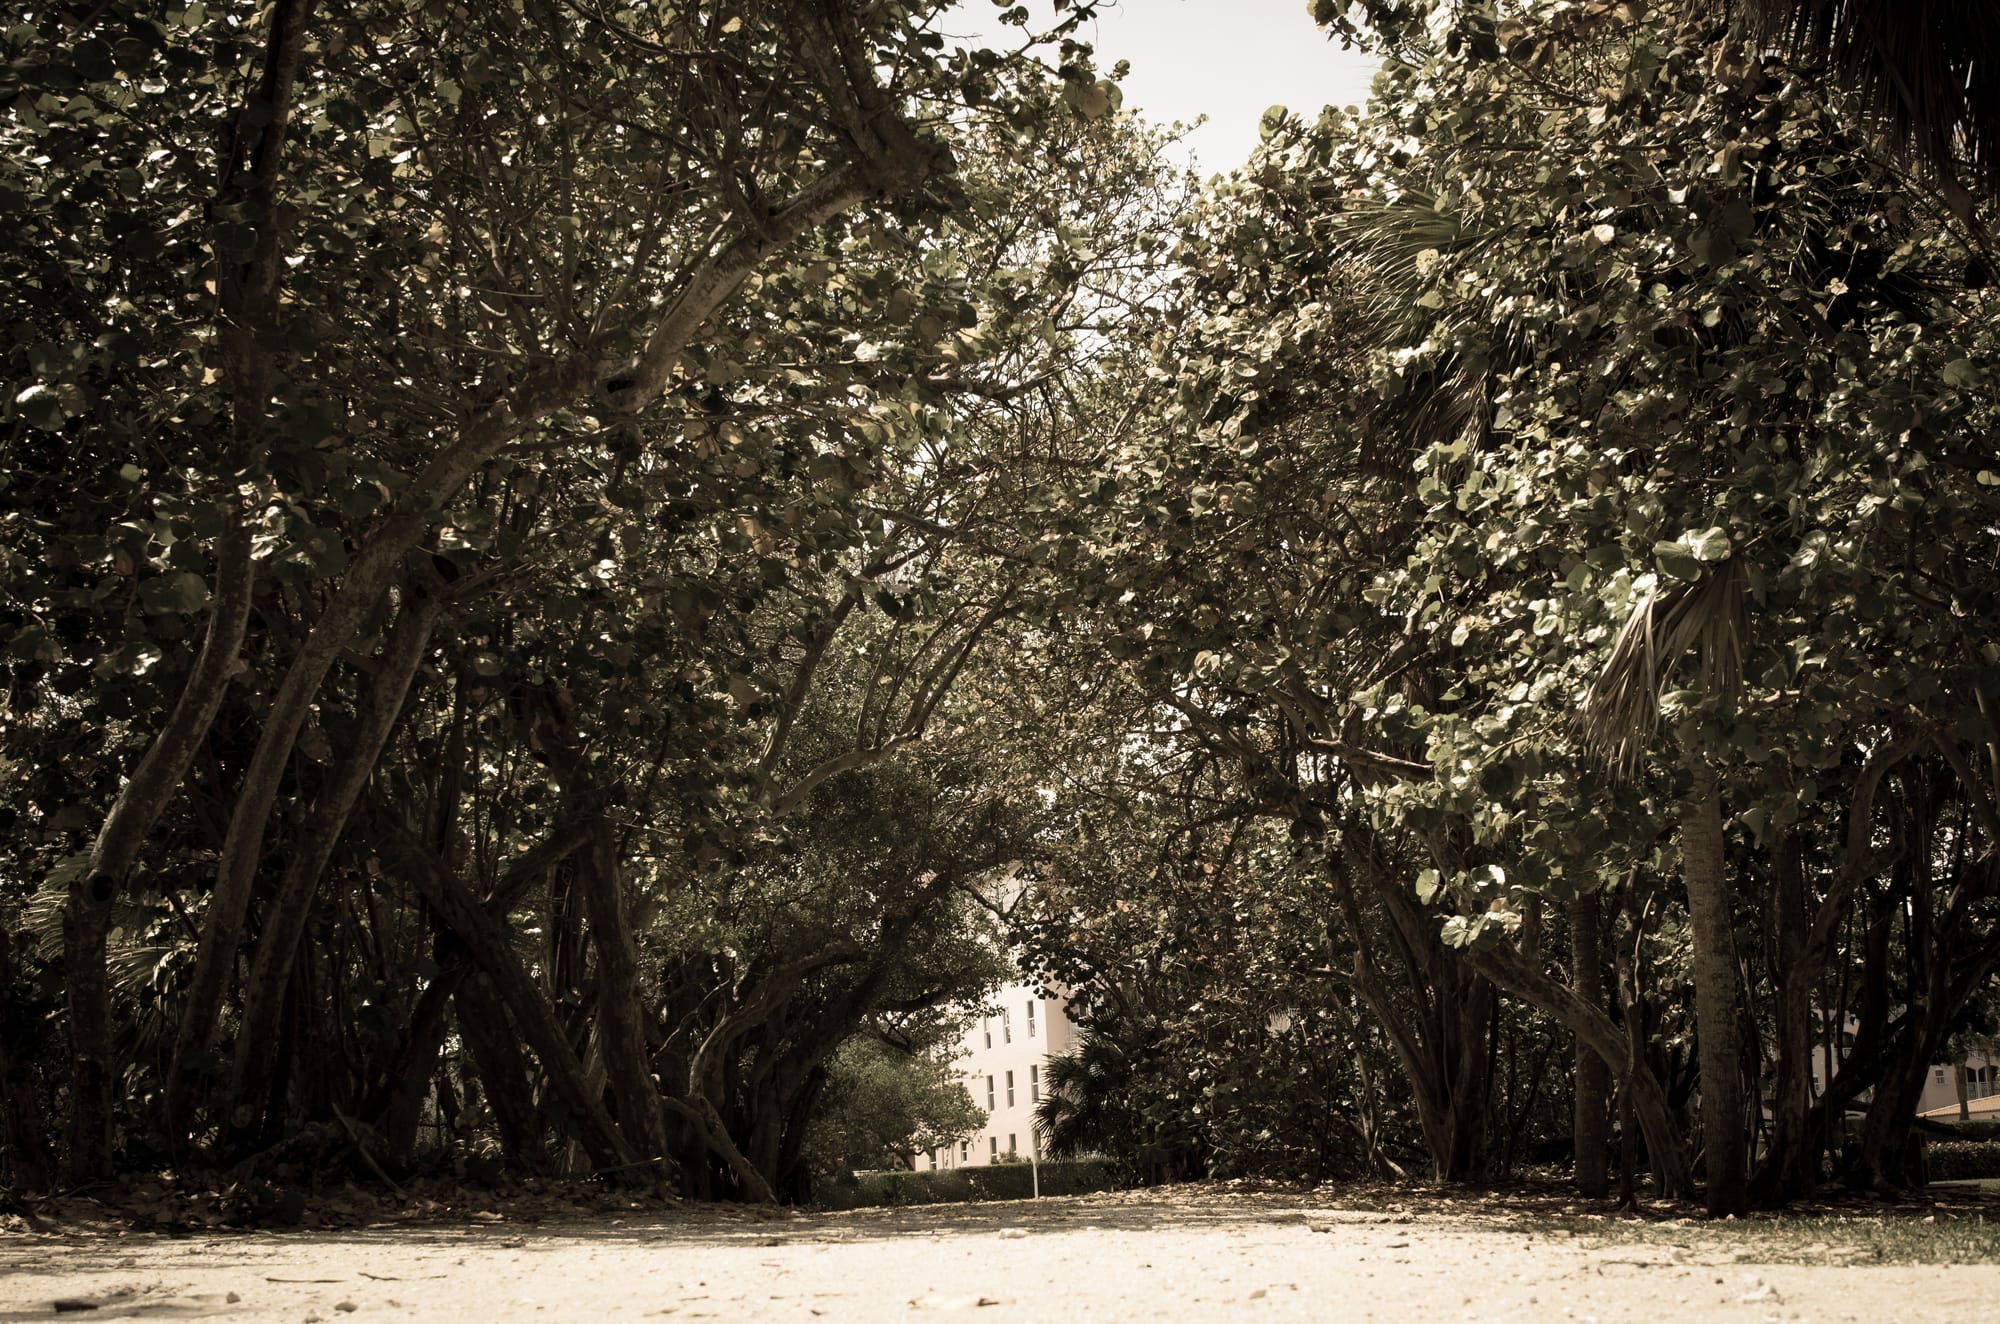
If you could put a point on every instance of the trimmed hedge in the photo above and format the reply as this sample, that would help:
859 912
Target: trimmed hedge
1959 1160
998 1181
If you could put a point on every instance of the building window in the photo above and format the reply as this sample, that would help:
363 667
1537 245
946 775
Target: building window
1034 1084
933 1160
1010 1089
964 1151
1031 1018
1940 1075
1006 1027
1010 1143
986 1024
989 1094
993 1146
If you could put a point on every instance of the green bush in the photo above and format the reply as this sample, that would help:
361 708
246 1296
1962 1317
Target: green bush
1957 1160
1000 1181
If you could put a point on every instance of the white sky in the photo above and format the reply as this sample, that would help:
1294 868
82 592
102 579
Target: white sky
1227 59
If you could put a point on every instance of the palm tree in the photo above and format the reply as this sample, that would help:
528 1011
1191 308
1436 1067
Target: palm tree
1708 621
1084 1108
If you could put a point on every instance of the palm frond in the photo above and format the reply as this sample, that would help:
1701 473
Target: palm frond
1394 244
1084 1108
1929 69
1708 618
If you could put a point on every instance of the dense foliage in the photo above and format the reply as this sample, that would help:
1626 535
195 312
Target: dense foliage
578 580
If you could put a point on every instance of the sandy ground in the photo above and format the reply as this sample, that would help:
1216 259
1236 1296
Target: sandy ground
1201 1256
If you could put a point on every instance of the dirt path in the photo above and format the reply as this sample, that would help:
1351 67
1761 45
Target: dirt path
1142 1257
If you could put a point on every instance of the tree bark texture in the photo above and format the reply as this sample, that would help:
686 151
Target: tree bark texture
1717 993
1591 1129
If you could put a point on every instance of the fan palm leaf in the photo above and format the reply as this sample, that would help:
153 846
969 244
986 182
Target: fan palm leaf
1929 69
1708 619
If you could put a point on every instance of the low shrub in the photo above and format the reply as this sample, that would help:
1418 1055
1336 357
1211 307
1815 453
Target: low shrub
1958 1160
999 1181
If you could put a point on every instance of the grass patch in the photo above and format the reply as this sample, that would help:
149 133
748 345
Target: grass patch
1912 1236
1948 1223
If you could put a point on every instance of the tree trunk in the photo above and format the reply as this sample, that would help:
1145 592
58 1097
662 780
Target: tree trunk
1790 1168
1443 1046
284 920
27 1152
503 1070
1803 940
702 1114
248 295
1591 1122
621 1004
1499 962
1717 997
486 939
1884 1161
401 1108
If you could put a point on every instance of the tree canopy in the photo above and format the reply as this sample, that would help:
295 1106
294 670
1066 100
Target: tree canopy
583 581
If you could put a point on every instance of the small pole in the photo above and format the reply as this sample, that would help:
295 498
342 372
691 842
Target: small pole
1035 1168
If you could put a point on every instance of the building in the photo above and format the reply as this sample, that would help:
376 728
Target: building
1940 1098
1003 1058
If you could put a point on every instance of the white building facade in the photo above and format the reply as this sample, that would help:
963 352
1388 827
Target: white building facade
1003 1058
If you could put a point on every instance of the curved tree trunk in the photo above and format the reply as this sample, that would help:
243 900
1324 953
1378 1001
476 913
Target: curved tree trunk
1506 967
399 1110
1441 1047
486 939
1790 1166
503 1070
284 923
621 1002
889 158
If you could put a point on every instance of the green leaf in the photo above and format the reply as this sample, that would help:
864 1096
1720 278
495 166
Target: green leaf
180 592
1676 559
1963 373
1708 545
40 408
